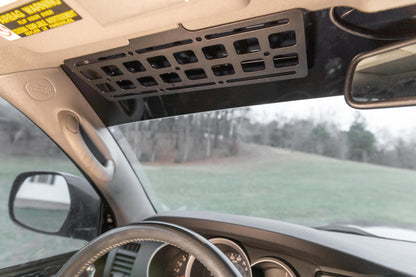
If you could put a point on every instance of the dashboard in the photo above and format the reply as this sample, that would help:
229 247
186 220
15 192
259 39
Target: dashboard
265 248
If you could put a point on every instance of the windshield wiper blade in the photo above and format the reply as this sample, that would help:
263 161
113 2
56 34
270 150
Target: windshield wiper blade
345 229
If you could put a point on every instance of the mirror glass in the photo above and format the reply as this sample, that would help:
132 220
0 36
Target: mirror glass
42 202
387 76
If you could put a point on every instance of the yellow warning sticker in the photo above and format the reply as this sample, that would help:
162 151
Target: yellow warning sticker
35 17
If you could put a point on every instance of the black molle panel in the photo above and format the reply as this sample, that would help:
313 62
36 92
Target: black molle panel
263 49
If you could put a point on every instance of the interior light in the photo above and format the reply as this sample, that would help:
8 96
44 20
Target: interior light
6 2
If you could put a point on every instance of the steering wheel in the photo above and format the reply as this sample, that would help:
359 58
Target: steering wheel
203 250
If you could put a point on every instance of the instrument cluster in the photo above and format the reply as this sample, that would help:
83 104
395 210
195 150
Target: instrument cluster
170 261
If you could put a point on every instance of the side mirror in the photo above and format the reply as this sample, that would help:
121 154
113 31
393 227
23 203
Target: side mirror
55 203
382 78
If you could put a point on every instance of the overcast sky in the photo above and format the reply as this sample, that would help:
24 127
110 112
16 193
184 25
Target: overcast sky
398 122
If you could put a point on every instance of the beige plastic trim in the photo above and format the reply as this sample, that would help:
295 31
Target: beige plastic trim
123 20
50 99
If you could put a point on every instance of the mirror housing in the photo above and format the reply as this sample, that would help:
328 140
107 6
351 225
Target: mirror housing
77 199
382 78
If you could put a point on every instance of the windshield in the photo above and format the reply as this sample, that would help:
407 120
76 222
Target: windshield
312 162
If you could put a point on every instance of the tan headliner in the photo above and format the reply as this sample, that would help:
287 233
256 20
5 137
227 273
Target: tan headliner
100 29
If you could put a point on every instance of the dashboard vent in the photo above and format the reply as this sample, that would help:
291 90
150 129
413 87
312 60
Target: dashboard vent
122 265
263 49
121 261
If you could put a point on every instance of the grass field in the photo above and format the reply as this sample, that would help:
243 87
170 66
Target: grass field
261 181
290 186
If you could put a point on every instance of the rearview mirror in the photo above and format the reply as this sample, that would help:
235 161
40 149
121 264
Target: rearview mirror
55 203
383 78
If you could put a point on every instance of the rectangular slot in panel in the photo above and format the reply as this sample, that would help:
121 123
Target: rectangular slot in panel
248 28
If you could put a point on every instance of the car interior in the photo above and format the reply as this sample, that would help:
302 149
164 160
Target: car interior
80 80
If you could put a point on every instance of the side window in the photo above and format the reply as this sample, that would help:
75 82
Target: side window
24 147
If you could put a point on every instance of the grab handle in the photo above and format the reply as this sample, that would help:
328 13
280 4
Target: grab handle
70 125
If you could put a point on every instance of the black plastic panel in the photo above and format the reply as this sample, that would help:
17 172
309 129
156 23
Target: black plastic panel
265 49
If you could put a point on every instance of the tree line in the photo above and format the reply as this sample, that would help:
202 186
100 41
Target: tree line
222 134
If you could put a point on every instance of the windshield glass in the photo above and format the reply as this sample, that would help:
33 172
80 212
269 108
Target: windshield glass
312 162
